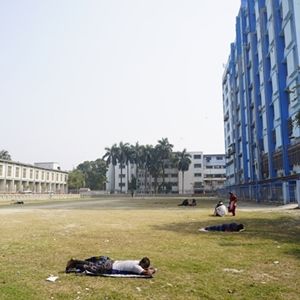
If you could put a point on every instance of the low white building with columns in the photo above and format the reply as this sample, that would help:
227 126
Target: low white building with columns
16 177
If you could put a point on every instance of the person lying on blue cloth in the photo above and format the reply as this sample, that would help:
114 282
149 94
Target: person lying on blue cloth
99 265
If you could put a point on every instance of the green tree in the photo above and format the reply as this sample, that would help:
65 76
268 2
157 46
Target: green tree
122 159
129 159
94 173
111 156
183 164
155 166
5 155
97 175
132 185
136 156
164 150
76 180
146 153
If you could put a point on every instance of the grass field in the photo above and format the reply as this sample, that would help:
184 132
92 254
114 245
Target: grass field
263 262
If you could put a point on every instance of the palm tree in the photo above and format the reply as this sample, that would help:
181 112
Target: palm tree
184 162
129 159
5 155
111 158
155 165
145 159
165 151
122 158
136 156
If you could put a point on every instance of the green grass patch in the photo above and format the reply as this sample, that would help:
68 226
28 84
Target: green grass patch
263 262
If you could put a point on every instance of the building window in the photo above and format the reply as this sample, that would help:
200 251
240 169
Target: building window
56 177
122 175
198 184
209 167
52 176
197 156
9 171
24 173
37 175
219 158
1 170
174 175
17 172
43 175
219 167
123 184
197 165
31 174
66 178
47 175
198 174
208 158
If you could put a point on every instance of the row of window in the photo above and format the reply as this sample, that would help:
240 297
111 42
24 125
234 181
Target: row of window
33 174
215 175
216 167
209 158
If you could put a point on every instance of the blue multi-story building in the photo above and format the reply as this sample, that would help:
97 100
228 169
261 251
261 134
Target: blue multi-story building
261 98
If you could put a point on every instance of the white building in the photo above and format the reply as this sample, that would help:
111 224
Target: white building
206 174
16 177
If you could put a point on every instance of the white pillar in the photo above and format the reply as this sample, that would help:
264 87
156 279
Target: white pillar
285 192
298 192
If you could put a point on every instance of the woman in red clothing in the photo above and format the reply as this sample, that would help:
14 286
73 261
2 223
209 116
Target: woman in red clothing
232 203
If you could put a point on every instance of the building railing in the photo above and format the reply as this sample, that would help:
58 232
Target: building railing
266 191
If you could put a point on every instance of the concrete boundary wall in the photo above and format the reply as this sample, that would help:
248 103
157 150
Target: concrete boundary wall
30 197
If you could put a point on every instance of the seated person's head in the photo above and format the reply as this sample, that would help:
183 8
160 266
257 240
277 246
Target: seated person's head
145 263
220 202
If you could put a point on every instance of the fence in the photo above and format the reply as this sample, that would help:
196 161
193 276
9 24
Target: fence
272 191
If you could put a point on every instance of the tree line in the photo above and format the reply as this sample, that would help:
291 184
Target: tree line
148 159
151 160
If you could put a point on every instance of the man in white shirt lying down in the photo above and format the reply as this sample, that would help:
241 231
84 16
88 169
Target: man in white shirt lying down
98 265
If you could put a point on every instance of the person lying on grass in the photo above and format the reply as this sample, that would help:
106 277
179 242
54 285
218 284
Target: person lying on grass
231 227
98 265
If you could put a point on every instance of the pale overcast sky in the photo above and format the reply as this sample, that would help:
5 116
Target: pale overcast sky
79 76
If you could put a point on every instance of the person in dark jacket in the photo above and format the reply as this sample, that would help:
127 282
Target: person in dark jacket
231 227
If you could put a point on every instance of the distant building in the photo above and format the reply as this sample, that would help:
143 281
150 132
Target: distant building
16 177
206 174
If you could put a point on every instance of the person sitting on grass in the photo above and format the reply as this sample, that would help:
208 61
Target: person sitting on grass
185 202
98 265
220 210
194 202
231 227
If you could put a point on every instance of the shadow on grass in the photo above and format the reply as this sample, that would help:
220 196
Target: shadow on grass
282 229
